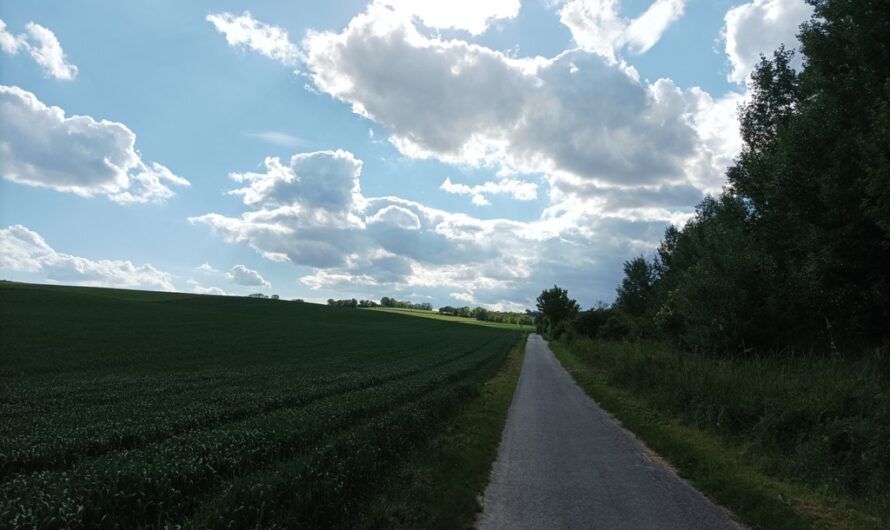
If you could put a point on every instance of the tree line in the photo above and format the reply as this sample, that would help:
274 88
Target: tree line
486 315
795 252
384 302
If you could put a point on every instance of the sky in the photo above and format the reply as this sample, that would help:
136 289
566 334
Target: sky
463 153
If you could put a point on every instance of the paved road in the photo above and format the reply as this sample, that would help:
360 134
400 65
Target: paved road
563 463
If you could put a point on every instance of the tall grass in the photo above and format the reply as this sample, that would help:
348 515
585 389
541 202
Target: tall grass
824 422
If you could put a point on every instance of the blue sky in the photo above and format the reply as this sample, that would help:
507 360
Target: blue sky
469 156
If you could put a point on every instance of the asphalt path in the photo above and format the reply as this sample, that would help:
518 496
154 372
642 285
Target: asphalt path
564 463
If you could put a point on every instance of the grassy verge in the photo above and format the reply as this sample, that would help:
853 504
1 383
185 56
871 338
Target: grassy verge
769 439
440 484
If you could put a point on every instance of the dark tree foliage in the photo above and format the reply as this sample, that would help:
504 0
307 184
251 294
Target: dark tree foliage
392 302
635 296
343 303
486 315
595 323
796 251
556 308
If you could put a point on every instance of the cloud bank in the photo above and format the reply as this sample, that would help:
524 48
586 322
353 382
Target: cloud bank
40 146
23 250
311 211
621 158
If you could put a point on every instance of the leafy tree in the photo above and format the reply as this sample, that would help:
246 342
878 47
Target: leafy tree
796 251
635 293
589 323
556 307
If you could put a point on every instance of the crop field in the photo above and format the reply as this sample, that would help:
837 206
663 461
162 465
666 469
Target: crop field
449 318
130 409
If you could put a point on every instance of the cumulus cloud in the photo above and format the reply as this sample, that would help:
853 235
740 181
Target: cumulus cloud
40 146
397 216
518 189
197 288
470 15
247 32
371 246
23 250
241 275
597 26
206 268
460 103
582 119
622 158
759 27
328 179
42 45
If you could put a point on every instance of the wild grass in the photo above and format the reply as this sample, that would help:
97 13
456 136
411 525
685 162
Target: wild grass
784 441
441 483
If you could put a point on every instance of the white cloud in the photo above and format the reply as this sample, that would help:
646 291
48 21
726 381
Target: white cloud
465 104
241 275
622 158
277 138
43 46
23 250
197 288
40 146
596 25
246 31
206 268
9 43
328 179
473 16
518 189
759 27
396 216
387 245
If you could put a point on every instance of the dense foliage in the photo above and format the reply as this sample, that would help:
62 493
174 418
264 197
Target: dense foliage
402 304
796 251
352 303
487 315
132 409
556 309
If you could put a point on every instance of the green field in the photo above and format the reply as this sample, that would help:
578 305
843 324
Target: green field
132 409
449 318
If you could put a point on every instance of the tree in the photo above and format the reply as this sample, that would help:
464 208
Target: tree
556 307
635 293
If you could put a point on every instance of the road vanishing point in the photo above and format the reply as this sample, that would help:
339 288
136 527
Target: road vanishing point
564 463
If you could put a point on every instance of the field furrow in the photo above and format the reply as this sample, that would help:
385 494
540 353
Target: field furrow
215 412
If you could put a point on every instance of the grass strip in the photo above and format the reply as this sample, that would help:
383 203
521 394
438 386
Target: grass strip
731 474
440 484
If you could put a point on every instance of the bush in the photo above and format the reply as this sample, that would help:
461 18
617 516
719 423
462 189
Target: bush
614 328
588 323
